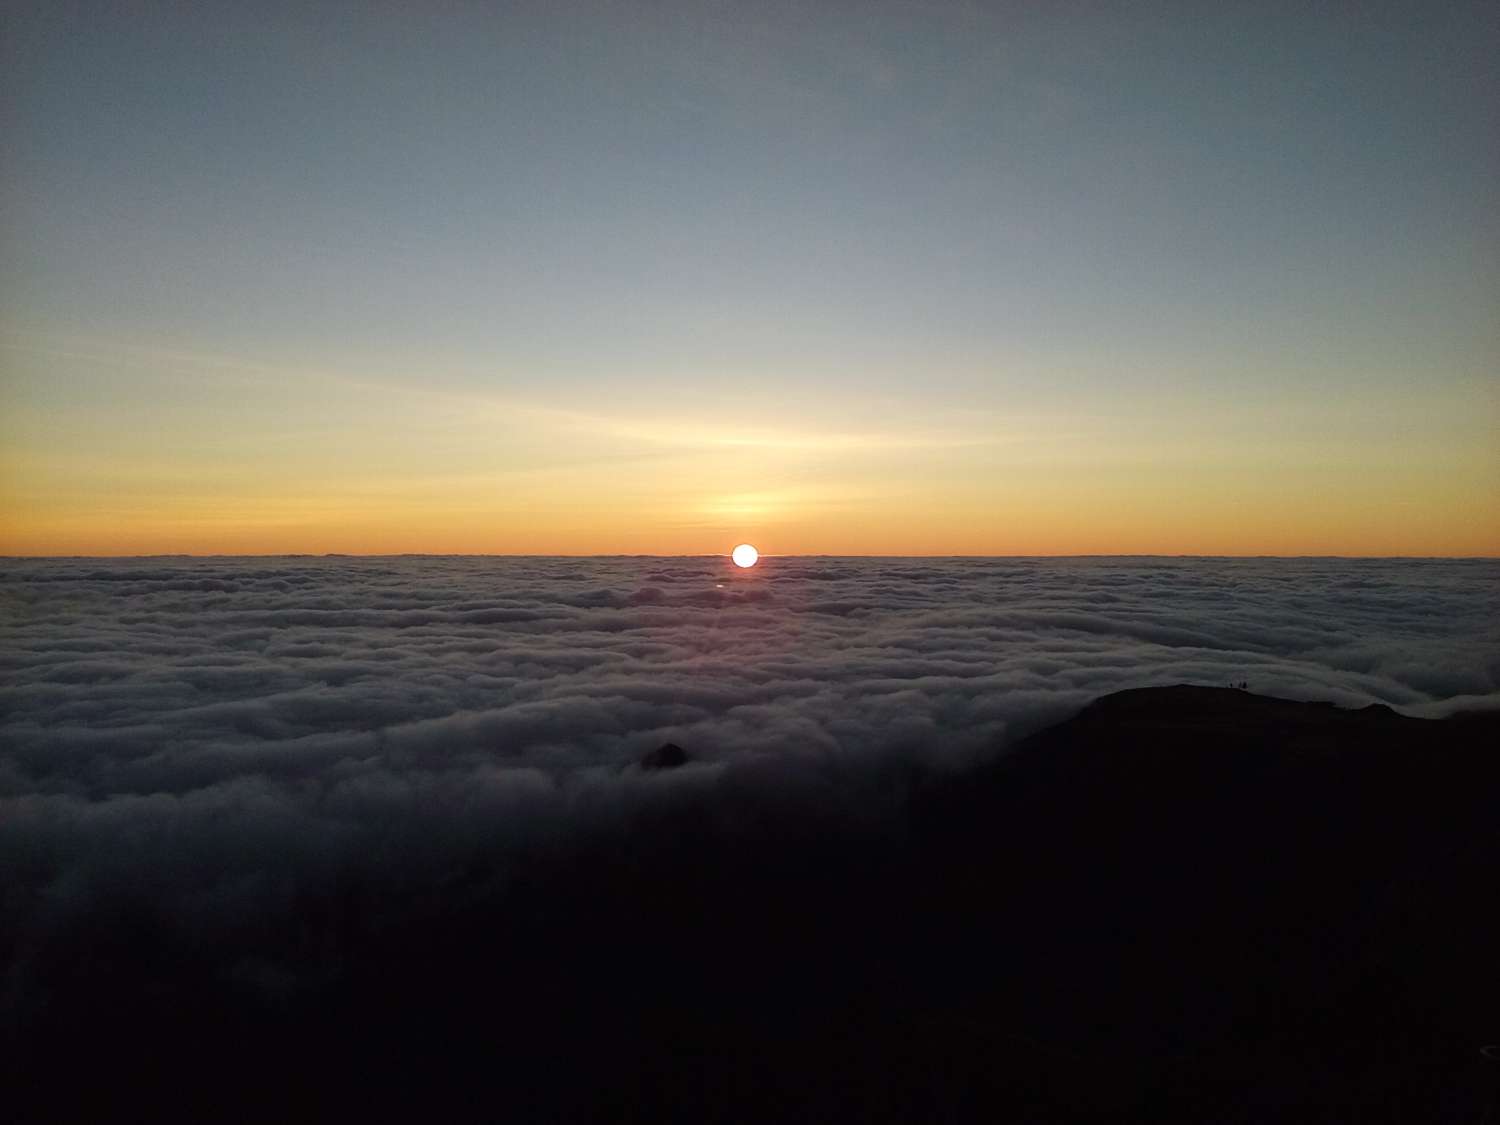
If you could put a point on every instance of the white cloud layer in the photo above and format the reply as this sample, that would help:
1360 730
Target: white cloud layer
220 736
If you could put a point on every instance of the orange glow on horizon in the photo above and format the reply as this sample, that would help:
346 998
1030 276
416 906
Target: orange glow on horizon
273 461
959 532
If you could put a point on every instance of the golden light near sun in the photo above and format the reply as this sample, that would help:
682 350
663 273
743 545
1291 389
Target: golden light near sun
744 555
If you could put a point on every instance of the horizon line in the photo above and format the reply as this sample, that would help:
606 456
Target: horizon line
710 555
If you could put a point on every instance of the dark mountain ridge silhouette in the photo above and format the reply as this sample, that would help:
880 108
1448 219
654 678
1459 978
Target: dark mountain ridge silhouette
1184 903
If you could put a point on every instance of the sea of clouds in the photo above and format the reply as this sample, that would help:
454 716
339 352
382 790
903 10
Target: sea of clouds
223 736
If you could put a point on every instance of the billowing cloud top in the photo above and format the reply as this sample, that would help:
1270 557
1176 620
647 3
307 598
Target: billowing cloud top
221 734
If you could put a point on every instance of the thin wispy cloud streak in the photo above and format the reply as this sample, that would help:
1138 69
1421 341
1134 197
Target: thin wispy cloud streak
218 736
689 433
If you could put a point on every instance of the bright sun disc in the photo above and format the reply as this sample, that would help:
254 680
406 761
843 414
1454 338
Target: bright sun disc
744 555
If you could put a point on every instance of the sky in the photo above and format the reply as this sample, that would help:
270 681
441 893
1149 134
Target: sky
658 278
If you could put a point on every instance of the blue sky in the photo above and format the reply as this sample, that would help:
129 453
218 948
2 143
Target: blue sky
932 228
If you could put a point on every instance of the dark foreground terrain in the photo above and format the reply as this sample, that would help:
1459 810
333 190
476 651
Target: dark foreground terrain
1184 904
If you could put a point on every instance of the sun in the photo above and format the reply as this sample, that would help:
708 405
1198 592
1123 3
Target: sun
744 555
